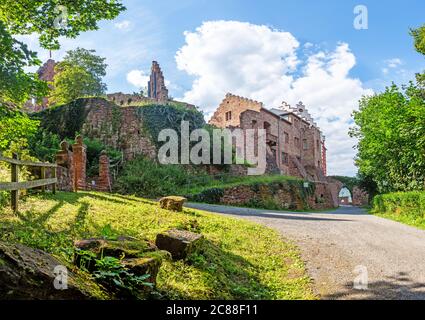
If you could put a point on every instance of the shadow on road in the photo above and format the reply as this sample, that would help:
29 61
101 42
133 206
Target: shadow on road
399 287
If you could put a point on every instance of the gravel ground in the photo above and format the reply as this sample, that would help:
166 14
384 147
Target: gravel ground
337 245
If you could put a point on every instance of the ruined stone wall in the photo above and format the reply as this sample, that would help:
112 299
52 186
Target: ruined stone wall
286 196
118 127
360 197
156 86
124 99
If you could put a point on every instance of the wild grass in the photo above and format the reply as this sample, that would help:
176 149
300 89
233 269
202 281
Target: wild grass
238 260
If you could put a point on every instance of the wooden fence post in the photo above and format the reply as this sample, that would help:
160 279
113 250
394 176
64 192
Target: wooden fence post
54 186
43 176
15 178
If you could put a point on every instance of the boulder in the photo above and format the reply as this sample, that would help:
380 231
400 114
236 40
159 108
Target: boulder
179 243
31 274
172 203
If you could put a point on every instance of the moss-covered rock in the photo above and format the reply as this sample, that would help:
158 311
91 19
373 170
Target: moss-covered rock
28 274
172 203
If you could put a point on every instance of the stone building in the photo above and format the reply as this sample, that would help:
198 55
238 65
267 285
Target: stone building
156 85
295 144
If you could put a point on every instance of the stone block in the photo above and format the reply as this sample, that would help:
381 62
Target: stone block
172 203
179 243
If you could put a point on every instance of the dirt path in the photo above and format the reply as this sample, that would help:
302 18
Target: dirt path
334 244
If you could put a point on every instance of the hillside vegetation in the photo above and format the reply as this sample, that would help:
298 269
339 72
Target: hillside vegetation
238 260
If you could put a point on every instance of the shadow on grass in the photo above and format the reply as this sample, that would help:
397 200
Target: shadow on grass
399 287
226 275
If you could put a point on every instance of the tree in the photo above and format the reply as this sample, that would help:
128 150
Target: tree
15 126
391 133
419 38
89 61
50 21
17 86
78 75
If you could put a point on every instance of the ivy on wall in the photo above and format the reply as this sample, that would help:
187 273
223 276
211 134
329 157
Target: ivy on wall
65 121
159 117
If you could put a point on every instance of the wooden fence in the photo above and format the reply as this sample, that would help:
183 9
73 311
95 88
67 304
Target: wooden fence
14 186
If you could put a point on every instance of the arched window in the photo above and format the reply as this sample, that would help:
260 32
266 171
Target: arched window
267 127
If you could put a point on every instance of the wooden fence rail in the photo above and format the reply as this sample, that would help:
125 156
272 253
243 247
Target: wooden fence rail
14 186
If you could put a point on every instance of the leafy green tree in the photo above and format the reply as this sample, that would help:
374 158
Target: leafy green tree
419 37
70 83
78 75
391 130
17 86
89 61
15 126
50 20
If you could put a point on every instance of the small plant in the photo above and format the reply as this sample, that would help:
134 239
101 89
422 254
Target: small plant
108 233
111 272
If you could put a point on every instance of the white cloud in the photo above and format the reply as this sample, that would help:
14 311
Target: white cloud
261 63
123 25
393 63
137 78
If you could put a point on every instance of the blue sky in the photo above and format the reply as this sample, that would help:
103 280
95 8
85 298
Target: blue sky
325 60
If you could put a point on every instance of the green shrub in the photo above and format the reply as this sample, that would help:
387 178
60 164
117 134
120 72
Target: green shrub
212 196
144 177
409 204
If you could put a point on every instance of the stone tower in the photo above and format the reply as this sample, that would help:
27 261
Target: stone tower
156 86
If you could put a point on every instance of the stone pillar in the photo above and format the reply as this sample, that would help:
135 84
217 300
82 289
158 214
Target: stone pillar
65 169
80 162
104 181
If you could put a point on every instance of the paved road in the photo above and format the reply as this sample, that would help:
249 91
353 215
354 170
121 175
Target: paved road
335 244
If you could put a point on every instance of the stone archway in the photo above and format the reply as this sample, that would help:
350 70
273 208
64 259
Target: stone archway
359 196
345 196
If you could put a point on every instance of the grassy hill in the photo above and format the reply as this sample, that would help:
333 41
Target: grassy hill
239 260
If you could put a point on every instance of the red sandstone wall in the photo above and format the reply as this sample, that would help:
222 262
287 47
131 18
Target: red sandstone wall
236 105
285 197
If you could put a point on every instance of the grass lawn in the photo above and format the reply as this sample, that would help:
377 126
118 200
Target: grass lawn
239 259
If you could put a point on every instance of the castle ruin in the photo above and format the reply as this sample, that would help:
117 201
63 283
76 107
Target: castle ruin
295 144
156 86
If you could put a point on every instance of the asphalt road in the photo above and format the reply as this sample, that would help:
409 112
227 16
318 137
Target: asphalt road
349 254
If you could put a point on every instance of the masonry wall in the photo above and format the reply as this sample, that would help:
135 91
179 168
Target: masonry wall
236 105
282 197
118 127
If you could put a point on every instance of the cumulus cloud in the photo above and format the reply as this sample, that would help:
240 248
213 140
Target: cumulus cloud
262 63
137 78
